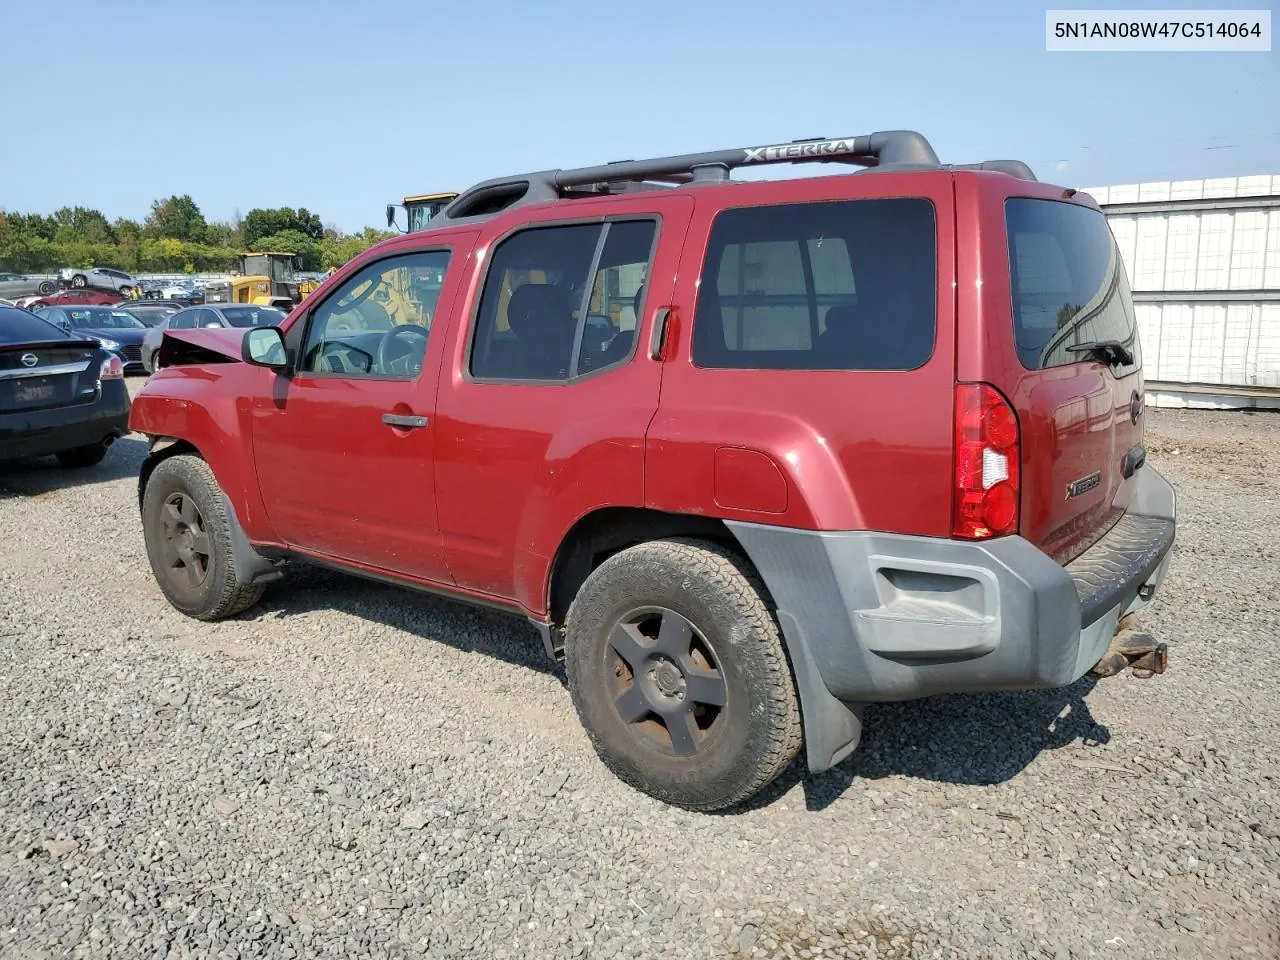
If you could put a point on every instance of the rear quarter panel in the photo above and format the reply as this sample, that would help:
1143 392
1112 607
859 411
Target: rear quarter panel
1074 419
846 449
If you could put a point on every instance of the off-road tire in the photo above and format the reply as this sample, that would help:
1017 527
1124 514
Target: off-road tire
86 456
722 597
220 594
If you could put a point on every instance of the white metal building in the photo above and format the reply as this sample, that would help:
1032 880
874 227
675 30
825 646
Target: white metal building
1203 258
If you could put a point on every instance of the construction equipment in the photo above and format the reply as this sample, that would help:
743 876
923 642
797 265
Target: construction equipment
265 278
419 209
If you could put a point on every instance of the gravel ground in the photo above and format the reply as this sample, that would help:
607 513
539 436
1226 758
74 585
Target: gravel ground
350 770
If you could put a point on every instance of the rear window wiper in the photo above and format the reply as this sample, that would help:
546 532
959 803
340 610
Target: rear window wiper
1108 351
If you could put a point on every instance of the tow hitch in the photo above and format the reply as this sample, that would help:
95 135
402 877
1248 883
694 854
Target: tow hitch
1132 647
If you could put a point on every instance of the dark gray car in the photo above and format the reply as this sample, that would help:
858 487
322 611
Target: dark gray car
15 285
212 315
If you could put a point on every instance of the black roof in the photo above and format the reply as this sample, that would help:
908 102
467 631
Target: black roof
886 150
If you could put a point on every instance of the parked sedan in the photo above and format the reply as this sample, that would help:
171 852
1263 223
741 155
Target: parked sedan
98 278
60 393
214 315
65 297
150 312
117 329
14 285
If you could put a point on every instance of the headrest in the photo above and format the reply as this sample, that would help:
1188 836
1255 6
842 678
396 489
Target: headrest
841 319
536 307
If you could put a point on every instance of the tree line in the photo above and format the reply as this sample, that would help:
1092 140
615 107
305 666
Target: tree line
174 238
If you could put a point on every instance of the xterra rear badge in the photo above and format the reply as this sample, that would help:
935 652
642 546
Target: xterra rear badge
1083 485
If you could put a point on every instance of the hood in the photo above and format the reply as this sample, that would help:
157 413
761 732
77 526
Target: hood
225 342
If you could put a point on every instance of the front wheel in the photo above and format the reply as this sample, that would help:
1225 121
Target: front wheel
79 280
188 536
678 673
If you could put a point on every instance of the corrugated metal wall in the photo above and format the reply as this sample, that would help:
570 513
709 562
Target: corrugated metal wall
1203 258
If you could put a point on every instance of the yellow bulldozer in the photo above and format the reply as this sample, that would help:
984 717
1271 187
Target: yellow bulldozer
419 210
266 279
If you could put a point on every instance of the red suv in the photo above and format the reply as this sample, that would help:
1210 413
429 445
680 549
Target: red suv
749 454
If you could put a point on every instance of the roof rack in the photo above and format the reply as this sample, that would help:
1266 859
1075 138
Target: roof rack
886 150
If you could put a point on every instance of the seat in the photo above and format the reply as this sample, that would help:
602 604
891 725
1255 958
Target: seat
865 338
540 317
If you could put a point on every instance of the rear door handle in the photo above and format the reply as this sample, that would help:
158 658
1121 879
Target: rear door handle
403 420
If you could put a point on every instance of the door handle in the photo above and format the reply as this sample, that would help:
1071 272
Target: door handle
403 420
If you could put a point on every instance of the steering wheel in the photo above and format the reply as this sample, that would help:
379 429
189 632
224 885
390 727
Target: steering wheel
400 332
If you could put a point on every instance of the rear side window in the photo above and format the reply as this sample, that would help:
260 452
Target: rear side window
1069 283
561 302
844 285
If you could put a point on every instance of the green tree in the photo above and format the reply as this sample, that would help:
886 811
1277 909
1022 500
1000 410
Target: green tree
177 218
259 223
219 234
338 248
81 224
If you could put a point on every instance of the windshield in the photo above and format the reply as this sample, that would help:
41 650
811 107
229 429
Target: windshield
103 318
277 268
252 316
18 326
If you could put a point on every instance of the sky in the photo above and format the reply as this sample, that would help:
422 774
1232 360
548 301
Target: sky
343 107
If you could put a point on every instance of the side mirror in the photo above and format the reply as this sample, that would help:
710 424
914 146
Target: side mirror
391 214
264 347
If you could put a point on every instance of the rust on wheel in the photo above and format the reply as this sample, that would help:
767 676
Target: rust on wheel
667 684
186 541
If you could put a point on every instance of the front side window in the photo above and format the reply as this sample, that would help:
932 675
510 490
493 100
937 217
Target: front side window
376 324
842 285
1069 284
561 301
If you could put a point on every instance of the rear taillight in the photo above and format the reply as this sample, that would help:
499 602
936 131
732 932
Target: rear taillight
112 369
986 465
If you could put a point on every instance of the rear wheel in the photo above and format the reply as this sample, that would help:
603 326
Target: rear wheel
46 287
86 456
678 673
188 536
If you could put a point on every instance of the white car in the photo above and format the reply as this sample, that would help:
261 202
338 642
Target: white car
99 278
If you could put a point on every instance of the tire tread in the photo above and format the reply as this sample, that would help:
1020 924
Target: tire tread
732 576
230 596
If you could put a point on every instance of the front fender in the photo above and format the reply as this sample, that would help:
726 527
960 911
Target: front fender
209 408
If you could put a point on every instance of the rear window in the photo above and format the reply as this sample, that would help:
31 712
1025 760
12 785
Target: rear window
844 285
1069 283
252 316
19 326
